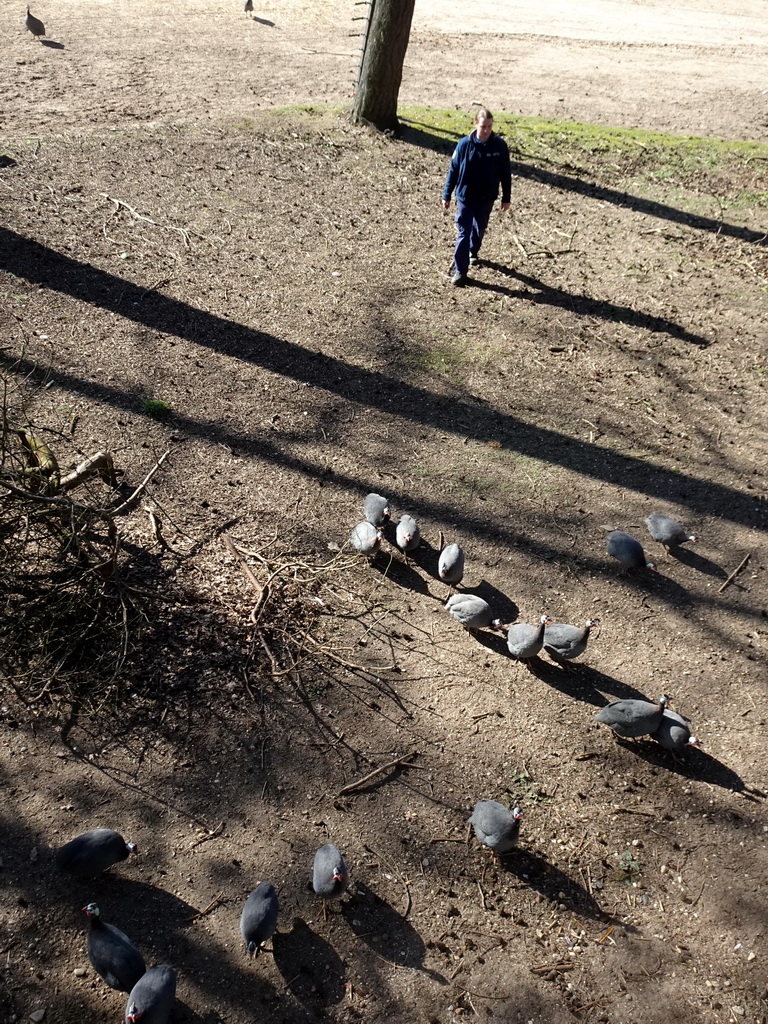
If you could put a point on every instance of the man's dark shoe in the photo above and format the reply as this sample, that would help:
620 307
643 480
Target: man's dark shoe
474 260
459 280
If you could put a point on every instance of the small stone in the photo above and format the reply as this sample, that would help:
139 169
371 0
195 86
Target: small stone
37 1015
738 1010
751 956
33 855
80 972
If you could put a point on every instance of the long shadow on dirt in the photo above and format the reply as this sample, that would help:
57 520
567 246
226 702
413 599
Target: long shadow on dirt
554 884
42 265
313 971
693 763
387 933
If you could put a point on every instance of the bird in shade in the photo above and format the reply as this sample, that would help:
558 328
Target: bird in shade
93 852
407 535
112 954
628 550
450 567
674 732
152 997
259 917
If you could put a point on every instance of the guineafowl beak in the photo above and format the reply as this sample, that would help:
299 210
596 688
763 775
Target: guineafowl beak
337 876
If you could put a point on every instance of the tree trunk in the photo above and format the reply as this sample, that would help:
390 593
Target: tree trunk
381 69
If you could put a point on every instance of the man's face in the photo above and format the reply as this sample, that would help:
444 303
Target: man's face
484 128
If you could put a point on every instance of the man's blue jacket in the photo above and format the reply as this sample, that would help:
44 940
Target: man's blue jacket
478 169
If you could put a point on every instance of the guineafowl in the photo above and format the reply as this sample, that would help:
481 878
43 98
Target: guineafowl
329 874
673 732
564 642
495 826
632 718
112 954
407 534
259 917
248 7
667 531
377 511
450 566
525 641
35 26
93 852
628 550
472 612
366 539
152 997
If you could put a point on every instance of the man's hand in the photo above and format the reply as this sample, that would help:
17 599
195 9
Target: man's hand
447 204
504 207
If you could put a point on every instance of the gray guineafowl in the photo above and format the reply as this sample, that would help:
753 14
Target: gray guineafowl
376 508
407 534
152 997
628 550
524 641
112 954
472 612
667 531
450 566
495 826
329 874
248 7
366 539
93 852
674 732
632 718
564 642
259 917
34 25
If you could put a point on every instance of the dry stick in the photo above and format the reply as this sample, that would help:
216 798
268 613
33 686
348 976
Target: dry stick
735 572
214 903
377 771
211 835
142 485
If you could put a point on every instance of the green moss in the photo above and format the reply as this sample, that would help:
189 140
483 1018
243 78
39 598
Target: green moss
156 409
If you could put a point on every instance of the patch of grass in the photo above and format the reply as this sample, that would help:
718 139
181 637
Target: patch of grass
523 790
629 867
442 359
156 409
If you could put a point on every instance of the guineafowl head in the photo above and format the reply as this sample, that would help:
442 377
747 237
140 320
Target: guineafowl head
92 910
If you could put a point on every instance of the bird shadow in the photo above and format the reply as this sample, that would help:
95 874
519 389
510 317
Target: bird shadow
554 884
427 558
491 640
693 763
263 21
395 568
698 562
503 607
582 682
52 44
386 932
312 969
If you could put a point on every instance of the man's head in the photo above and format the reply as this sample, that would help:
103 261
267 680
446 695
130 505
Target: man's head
483 124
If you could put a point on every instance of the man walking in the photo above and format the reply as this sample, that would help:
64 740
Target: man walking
479 167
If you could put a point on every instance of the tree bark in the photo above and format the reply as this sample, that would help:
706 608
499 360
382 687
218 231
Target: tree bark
381 71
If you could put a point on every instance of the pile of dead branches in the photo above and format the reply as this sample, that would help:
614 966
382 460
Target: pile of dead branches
63 609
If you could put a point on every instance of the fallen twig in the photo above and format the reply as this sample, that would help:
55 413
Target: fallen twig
211 835
377 771
142 485
735 572
211 906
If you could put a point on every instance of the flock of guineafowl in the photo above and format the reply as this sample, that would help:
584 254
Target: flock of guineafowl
627 718
152 991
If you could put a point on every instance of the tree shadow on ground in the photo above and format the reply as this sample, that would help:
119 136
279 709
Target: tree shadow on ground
312 969
647 206
583 305
414 133
49 268
386 932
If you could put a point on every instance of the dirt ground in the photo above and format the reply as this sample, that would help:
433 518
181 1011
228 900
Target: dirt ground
281 282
